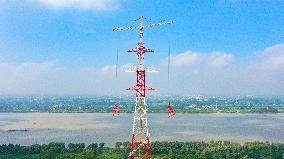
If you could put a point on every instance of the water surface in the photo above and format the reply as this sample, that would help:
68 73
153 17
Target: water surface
98 127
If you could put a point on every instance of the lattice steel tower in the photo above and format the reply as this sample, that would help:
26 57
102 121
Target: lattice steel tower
140 140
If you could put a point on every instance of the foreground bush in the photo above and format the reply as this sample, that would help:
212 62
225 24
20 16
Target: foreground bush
160 150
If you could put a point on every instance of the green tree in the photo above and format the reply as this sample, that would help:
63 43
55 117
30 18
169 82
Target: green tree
75 148
102 145
118 144
86 154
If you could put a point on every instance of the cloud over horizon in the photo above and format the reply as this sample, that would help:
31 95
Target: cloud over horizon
219 73
213 59
192 73
81 4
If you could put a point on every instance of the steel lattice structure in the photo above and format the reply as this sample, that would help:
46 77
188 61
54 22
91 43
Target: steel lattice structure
140 140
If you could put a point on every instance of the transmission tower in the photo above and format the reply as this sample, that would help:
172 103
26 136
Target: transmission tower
115 110
140 140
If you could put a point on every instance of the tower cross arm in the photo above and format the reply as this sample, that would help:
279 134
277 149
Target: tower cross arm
148 50
126 28
135 88
144 50
157 24
143 26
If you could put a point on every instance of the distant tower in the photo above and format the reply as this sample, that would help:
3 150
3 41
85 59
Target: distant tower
140 140
171 111
115 110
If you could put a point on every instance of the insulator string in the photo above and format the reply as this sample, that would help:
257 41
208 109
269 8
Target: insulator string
116 63
169 62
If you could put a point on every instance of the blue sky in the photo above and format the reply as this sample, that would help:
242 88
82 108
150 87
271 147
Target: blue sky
72 35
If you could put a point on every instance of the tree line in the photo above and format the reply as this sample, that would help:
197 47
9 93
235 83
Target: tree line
160 150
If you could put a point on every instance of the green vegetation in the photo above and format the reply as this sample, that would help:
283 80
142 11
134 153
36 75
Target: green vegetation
160 150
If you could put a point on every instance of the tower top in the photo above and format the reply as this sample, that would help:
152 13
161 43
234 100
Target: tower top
141 26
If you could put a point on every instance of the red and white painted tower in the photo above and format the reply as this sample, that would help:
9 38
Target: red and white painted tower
140 140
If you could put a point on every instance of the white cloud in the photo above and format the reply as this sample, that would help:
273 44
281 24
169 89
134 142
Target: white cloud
274 63
185 59
272 57
81 4
220 60
53 78
108 69
215 73
276 50
26 77
220 73
213 59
